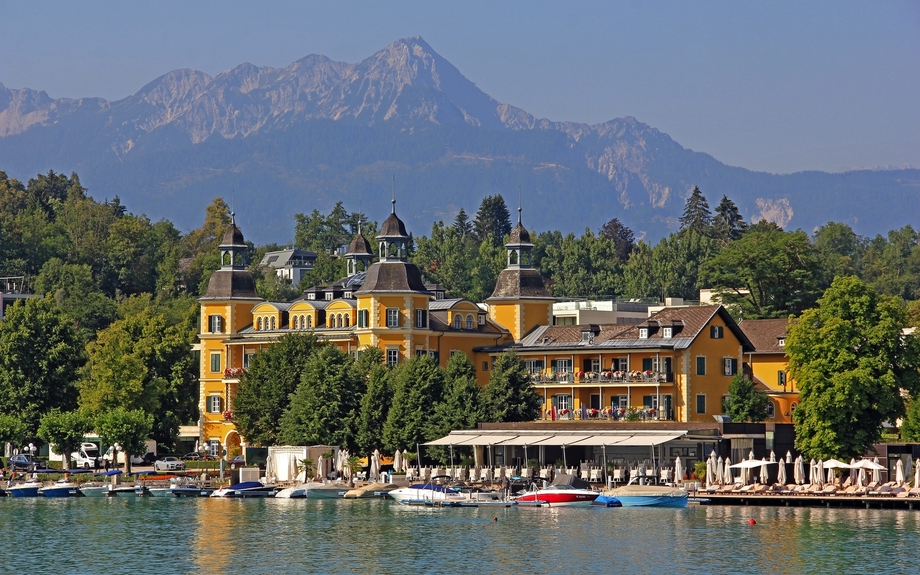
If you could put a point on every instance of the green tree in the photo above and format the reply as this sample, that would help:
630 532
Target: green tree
324 409
64 431
462 224
745 402
492 219
40 358
839 251
12 430
728 224
127 428
510 395
910 427
768 273
623 238
73 290
418 385
850 362
265 389
697 217
141 362
460 408
446 259
375 404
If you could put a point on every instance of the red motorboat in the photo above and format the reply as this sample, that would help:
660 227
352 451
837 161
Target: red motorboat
559 496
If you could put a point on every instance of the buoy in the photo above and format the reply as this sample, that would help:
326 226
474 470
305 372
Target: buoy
751 522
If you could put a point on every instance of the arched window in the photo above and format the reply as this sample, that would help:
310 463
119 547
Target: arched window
469 322
296 323
771 410
347 319
457 320
273 323
309 322
259 325
303 322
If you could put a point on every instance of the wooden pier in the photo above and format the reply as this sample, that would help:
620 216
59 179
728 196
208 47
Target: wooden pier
779 500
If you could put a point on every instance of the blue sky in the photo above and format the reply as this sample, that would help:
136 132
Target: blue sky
778 86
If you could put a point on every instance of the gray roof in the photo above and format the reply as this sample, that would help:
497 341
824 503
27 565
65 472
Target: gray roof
440 304
231 284
393 277
518 284
291 257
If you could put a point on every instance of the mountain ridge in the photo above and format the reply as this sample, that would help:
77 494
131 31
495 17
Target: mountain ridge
408 111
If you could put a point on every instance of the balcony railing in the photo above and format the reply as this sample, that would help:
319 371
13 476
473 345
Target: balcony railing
625 414
595 377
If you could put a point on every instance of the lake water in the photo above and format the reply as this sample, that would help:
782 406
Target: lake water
256 536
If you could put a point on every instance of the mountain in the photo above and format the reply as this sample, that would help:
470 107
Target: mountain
288 140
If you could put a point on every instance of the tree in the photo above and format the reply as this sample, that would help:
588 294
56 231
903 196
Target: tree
40 357
510 395
492 218
418 387
141 362
839 250
12 430
64 431
727 224
324 409
265 389
129 429
623 238
462 224
73 290
910 427
745 402
850 362
376 400
768 273
697 217
460 408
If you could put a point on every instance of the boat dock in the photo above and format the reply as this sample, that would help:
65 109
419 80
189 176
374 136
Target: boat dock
779 500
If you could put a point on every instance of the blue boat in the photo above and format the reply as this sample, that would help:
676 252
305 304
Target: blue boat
60 488
648 496
26 489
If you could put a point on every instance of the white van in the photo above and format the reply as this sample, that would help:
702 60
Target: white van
86 457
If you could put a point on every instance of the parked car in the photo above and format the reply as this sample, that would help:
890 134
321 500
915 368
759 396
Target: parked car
150 458
23 462
168 463
194 456
238 461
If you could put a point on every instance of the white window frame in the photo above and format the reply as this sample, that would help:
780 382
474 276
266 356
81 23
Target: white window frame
697 368
392 317
727 366
216 323
771 410
247 359
215 403
564 366
666 332
482 319
643 333
421 318
469 322
458 321
215 354
392 356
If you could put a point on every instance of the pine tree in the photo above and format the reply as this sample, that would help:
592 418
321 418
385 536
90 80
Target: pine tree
418 387
463 225
728 224
492 218
745 402
510 395
623 238
697 216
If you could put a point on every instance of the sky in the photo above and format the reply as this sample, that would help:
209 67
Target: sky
769 86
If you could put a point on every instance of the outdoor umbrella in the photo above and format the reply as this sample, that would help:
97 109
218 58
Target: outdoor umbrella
720 471
405 460
908 468
397 461
375 466
764 472
679 469
727 478
798 472
831 474
710 470
854 473
820 472
812 471
917 477
876 476
781 473
789 457
320 466
899 472
748 474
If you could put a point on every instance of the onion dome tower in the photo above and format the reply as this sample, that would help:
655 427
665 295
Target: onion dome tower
520 301
359 255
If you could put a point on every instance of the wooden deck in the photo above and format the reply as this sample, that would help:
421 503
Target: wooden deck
778 500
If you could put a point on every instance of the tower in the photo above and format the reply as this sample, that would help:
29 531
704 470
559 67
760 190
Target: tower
520 301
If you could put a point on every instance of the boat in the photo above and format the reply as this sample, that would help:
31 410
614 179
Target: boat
370 490
28 488
565 490
436 494
94 489
60 488
314 490
180 487
633 495
246 489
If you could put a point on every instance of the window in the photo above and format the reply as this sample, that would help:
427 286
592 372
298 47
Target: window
215 362
421 318
247 359
420 353
729 366
716 332
454 352
485 366
362 318
213 448
666 332
792 407
469 322
215 404
392 317
309 322
726 403
701 403
562 401
782 342
329 296
622 400
347 319
482 319
643 333
771 410
457 320
215 323
296 323
701 365
534 365
348 295
311 296
563 365
620 364
781 378
259 324
392 357
274 325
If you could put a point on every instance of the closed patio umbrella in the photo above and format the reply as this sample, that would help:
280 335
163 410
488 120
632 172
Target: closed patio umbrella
679 470
908 469
854 473
917 477
397 461
320 466
798 472
876 472
405 459
710 470
764 472
720 471
819 472
899 472
727 478
831 474
781 473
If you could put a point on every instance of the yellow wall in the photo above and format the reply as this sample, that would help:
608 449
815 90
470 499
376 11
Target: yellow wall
714 385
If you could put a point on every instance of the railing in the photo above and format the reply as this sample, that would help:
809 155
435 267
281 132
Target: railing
594 377
625 414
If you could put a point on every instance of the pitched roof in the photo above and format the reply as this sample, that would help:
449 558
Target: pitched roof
393 277
519 283
231 284
765 334
232 237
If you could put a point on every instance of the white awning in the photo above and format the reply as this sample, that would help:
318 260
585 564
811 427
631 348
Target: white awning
452 439
486 440
525 440
648 439
564 439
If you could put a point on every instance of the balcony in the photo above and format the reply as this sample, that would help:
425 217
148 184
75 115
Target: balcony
602 377
624 414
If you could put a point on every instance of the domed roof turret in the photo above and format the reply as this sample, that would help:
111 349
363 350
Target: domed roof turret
519 235
233 236
393 226
359 246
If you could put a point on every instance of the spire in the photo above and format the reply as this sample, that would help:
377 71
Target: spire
393 201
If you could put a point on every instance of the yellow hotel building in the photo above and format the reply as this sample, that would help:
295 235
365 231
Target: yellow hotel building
675 366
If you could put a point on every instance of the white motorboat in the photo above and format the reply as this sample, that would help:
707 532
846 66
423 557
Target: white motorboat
648 496
314 490
435 494
565 491
246 489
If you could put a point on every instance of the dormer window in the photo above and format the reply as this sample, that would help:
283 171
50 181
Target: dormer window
328 296
482 319
643 333
311 296
667 332
782 342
